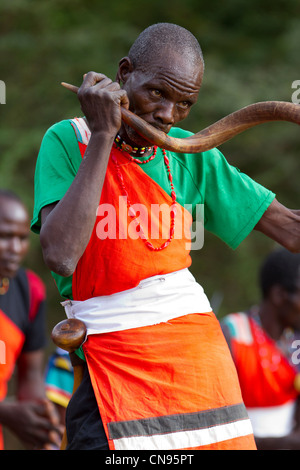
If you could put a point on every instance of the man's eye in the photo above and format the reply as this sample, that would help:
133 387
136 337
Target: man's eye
156 93
184 104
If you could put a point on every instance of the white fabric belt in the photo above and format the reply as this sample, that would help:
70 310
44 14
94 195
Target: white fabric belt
155 300
273 421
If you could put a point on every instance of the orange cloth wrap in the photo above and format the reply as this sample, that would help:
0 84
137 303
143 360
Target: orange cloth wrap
170 369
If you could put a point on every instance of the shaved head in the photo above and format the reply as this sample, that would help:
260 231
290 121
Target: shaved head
156 39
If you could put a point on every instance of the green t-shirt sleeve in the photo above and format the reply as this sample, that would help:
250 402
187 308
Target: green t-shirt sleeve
234 202
57 164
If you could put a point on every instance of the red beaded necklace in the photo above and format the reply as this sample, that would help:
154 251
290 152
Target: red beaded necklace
131 211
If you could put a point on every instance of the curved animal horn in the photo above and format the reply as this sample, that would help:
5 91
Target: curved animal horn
219 132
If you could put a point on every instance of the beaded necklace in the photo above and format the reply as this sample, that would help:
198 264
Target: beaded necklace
4 285
127 148
131 211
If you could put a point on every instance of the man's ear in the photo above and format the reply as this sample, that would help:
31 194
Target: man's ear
124 70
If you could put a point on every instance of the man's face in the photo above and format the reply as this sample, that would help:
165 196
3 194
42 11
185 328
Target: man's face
164 94
14 236
292 306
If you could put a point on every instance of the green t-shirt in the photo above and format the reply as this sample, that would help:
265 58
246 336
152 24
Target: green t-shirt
233 202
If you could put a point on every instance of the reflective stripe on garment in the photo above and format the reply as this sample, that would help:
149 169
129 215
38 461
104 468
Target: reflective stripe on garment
187 430
168 386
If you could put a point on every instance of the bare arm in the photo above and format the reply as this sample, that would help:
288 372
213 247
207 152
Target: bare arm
30 376
282 225
67 225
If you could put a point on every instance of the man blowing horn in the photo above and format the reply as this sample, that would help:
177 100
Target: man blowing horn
158 372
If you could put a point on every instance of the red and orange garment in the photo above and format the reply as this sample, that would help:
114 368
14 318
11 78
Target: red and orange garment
21 322
12 339
267 377
168 386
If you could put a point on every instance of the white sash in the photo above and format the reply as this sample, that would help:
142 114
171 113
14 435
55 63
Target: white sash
155 300
273 421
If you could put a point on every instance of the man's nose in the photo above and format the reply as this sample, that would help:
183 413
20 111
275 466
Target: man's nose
165 114
15 245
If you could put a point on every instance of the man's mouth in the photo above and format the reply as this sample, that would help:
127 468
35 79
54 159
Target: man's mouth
156 124
160 127
138 139
164 129
9 267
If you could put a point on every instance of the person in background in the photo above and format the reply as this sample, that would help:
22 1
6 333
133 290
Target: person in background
263 341
31 417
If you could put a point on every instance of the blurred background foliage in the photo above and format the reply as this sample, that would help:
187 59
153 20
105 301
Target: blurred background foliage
251 51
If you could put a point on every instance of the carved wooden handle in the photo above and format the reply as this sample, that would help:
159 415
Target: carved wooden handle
69 334
219 132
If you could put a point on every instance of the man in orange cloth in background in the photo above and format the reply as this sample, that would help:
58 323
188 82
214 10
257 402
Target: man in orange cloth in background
264 342
159 373
31 417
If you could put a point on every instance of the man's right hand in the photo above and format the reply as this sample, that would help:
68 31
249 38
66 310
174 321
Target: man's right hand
101 100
